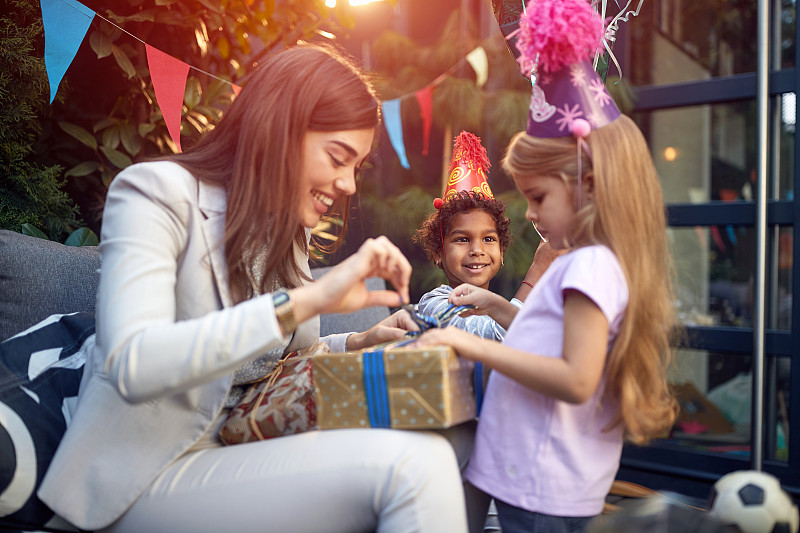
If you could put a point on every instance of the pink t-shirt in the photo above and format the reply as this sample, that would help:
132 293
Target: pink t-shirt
533 451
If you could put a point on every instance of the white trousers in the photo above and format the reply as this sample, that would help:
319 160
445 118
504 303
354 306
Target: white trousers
352 480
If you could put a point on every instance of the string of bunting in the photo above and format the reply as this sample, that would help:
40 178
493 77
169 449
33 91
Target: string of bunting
66 23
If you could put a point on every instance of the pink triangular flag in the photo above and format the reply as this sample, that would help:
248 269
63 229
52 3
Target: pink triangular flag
236 89
425 100
169 82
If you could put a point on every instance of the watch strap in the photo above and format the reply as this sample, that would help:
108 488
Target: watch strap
284 311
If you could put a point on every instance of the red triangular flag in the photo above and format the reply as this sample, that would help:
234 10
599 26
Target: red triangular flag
169 82
236 89
425 100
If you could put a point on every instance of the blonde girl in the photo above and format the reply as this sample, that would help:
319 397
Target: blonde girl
562 401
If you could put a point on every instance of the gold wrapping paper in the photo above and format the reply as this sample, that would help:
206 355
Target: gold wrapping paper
427 388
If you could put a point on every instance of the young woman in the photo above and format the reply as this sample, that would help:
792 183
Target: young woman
204 285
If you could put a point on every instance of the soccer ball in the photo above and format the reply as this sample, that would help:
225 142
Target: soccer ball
754 501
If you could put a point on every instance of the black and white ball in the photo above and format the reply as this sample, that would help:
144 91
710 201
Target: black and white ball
754 501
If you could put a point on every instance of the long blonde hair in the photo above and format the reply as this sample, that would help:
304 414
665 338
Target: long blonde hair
628 216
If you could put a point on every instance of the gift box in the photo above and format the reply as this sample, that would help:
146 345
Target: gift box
393 386
396 387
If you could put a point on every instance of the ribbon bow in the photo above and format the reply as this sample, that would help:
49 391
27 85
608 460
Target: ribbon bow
441 320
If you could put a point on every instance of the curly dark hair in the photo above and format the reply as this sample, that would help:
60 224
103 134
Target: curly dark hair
429 234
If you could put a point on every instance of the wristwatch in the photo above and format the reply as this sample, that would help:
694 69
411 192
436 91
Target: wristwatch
284 310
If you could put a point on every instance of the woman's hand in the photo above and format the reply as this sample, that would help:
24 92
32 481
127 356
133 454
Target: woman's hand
391 328
343 288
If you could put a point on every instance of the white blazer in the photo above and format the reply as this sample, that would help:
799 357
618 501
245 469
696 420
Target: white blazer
168 340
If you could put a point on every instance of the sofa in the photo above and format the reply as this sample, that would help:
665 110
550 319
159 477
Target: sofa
39 279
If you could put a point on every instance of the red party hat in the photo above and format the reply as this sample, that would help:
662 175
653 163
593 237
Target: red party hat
468 168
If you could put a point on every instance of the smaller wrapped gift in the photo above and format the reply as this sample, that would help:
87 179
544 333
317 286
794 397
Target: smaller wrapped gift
398 387
283 403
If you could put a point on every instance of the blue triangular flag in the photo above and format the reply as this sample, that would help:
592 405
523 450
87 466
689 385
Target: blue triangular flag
65 25
394 127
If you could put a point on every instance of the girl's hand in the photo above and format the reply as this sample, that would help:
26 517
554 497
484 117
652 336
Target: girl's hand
391 328
343 288
458 339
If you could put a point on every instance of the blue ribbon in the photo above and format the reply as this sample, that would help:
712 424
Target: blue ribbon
376 390
478 379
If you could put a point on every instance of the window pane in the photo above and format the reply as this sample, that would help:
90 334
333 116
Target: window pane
675 41
715 268
787 43
780 279
785 126
703 153
714 391
776 421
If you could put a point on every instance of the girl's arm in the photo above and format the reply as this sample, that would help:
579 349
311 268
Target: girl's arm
572 378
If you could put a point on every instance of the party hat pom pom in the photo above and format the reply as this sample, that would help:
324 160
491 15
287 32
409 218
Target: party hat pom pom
560 32
438 203
468 148
580 128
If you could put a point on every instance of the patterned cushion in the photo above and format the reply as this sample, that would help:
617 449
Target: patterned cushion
40 373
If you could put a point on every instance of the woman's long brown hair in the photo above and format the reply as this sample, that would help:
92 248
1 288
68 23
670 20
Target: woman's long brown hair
255 153
628 216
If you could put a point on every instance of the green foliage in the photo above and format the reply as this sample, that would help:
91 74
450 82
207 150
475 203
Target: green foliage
31 194
82 237
505 110
458 102
621 91
110 118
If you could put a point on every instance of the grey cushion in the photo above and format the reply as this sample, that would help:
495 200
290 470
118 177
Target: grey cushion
361 320
39 278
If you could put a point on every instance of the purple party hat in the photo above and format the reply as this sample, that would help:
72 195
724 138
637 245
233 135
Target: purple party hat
556 39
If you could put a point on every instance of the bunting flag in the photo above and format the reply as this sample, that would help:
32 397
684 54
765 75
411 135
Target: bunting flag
169 82
731 235
67 21
394 127
425 100
480 64
701 236
715 234
65 25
